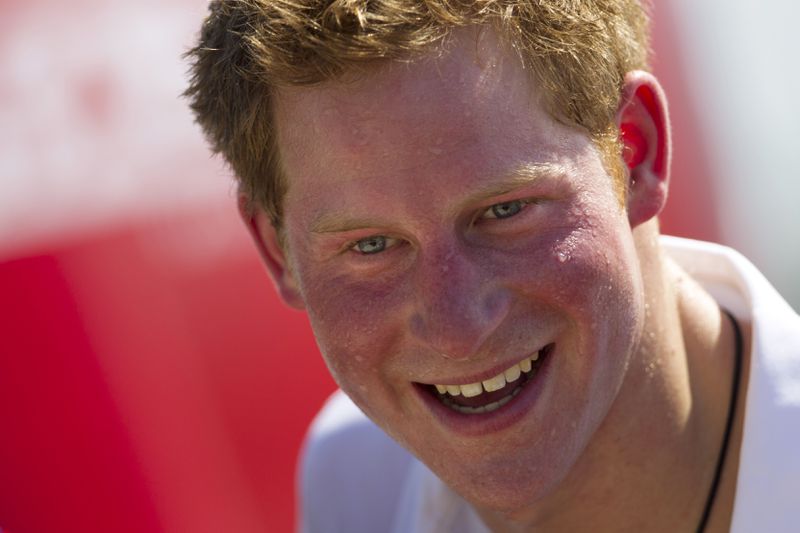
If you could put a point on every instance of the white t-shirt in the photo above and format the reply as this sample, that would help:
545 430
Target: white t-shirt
355 479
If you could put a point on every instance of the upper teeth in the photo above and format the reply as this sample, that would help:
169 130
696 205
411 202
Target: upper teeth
494 383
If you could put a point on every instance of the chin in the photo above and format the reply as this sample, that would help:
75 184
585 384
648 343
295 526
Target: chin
511 488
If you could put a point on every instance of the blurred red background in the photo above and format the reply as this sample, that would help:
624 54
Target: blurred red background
150 380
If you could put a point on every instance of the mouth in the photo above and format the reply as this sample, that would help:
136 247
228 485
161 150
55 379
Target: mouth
493 393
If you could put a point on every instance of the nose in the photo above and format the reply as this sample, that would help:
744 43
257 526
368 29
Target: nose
459 304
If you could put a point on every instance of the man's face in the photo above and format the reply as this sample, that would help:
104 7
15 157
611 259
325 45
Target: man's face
443 229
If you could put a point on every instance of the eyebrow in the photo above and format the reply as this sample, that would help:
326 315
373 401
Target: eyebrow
518 177
337 223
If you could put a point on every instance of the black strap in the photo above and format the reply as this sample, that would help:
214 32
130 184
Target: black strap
728 425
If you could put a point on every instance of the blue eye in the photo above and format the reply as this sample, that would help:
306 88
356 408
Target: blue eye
504 209
371 245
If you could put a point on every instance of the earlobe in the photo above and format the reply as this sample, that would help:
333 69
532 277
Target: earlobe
643 123
267 241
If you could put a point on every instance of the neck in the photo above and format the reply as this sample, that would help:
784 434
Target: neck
652 471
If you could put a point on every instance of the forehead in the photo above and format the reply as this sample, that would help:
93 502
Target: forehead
463 112
470 78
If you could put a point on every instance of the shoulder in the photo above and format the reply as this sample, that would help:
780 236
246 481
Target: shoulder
769 464
351 473
769 467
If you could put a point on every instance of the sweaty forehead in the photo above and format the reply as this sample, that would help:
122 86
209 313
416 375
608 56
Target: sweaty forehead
472 80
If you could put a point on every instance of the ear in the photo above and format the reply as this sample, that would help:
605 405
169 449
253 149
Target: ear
272 253
643 123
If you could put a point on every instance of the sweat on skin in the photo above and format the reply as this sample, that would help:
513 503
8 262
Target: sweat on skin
441 228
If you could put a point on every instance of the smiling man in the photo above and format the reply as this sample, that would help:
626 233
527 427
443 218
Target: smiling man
463 197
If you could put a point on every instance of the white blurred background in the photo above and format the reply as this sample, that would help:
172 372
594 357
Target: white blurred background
741 60
92 129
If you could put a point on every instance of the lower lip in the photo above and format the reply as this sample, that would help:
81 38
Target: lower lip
479 424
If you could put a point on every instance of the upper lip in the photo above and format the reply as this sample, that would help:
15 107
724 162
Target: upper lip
483 375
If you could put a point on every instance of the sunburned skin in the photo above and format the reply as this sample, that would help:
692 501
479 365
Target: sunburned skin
440 228
459 293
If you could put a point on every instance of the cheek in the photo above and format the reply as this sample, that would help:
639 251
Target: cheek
589 277
356 326
601 290
603 275
588 271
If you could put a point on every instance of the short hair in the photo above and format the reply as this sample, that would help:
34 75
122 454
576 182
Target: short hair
579 50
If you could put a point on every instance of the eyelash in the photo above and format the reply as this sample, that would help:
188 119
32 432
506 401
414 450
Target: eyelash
390 242
521 204
486 217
